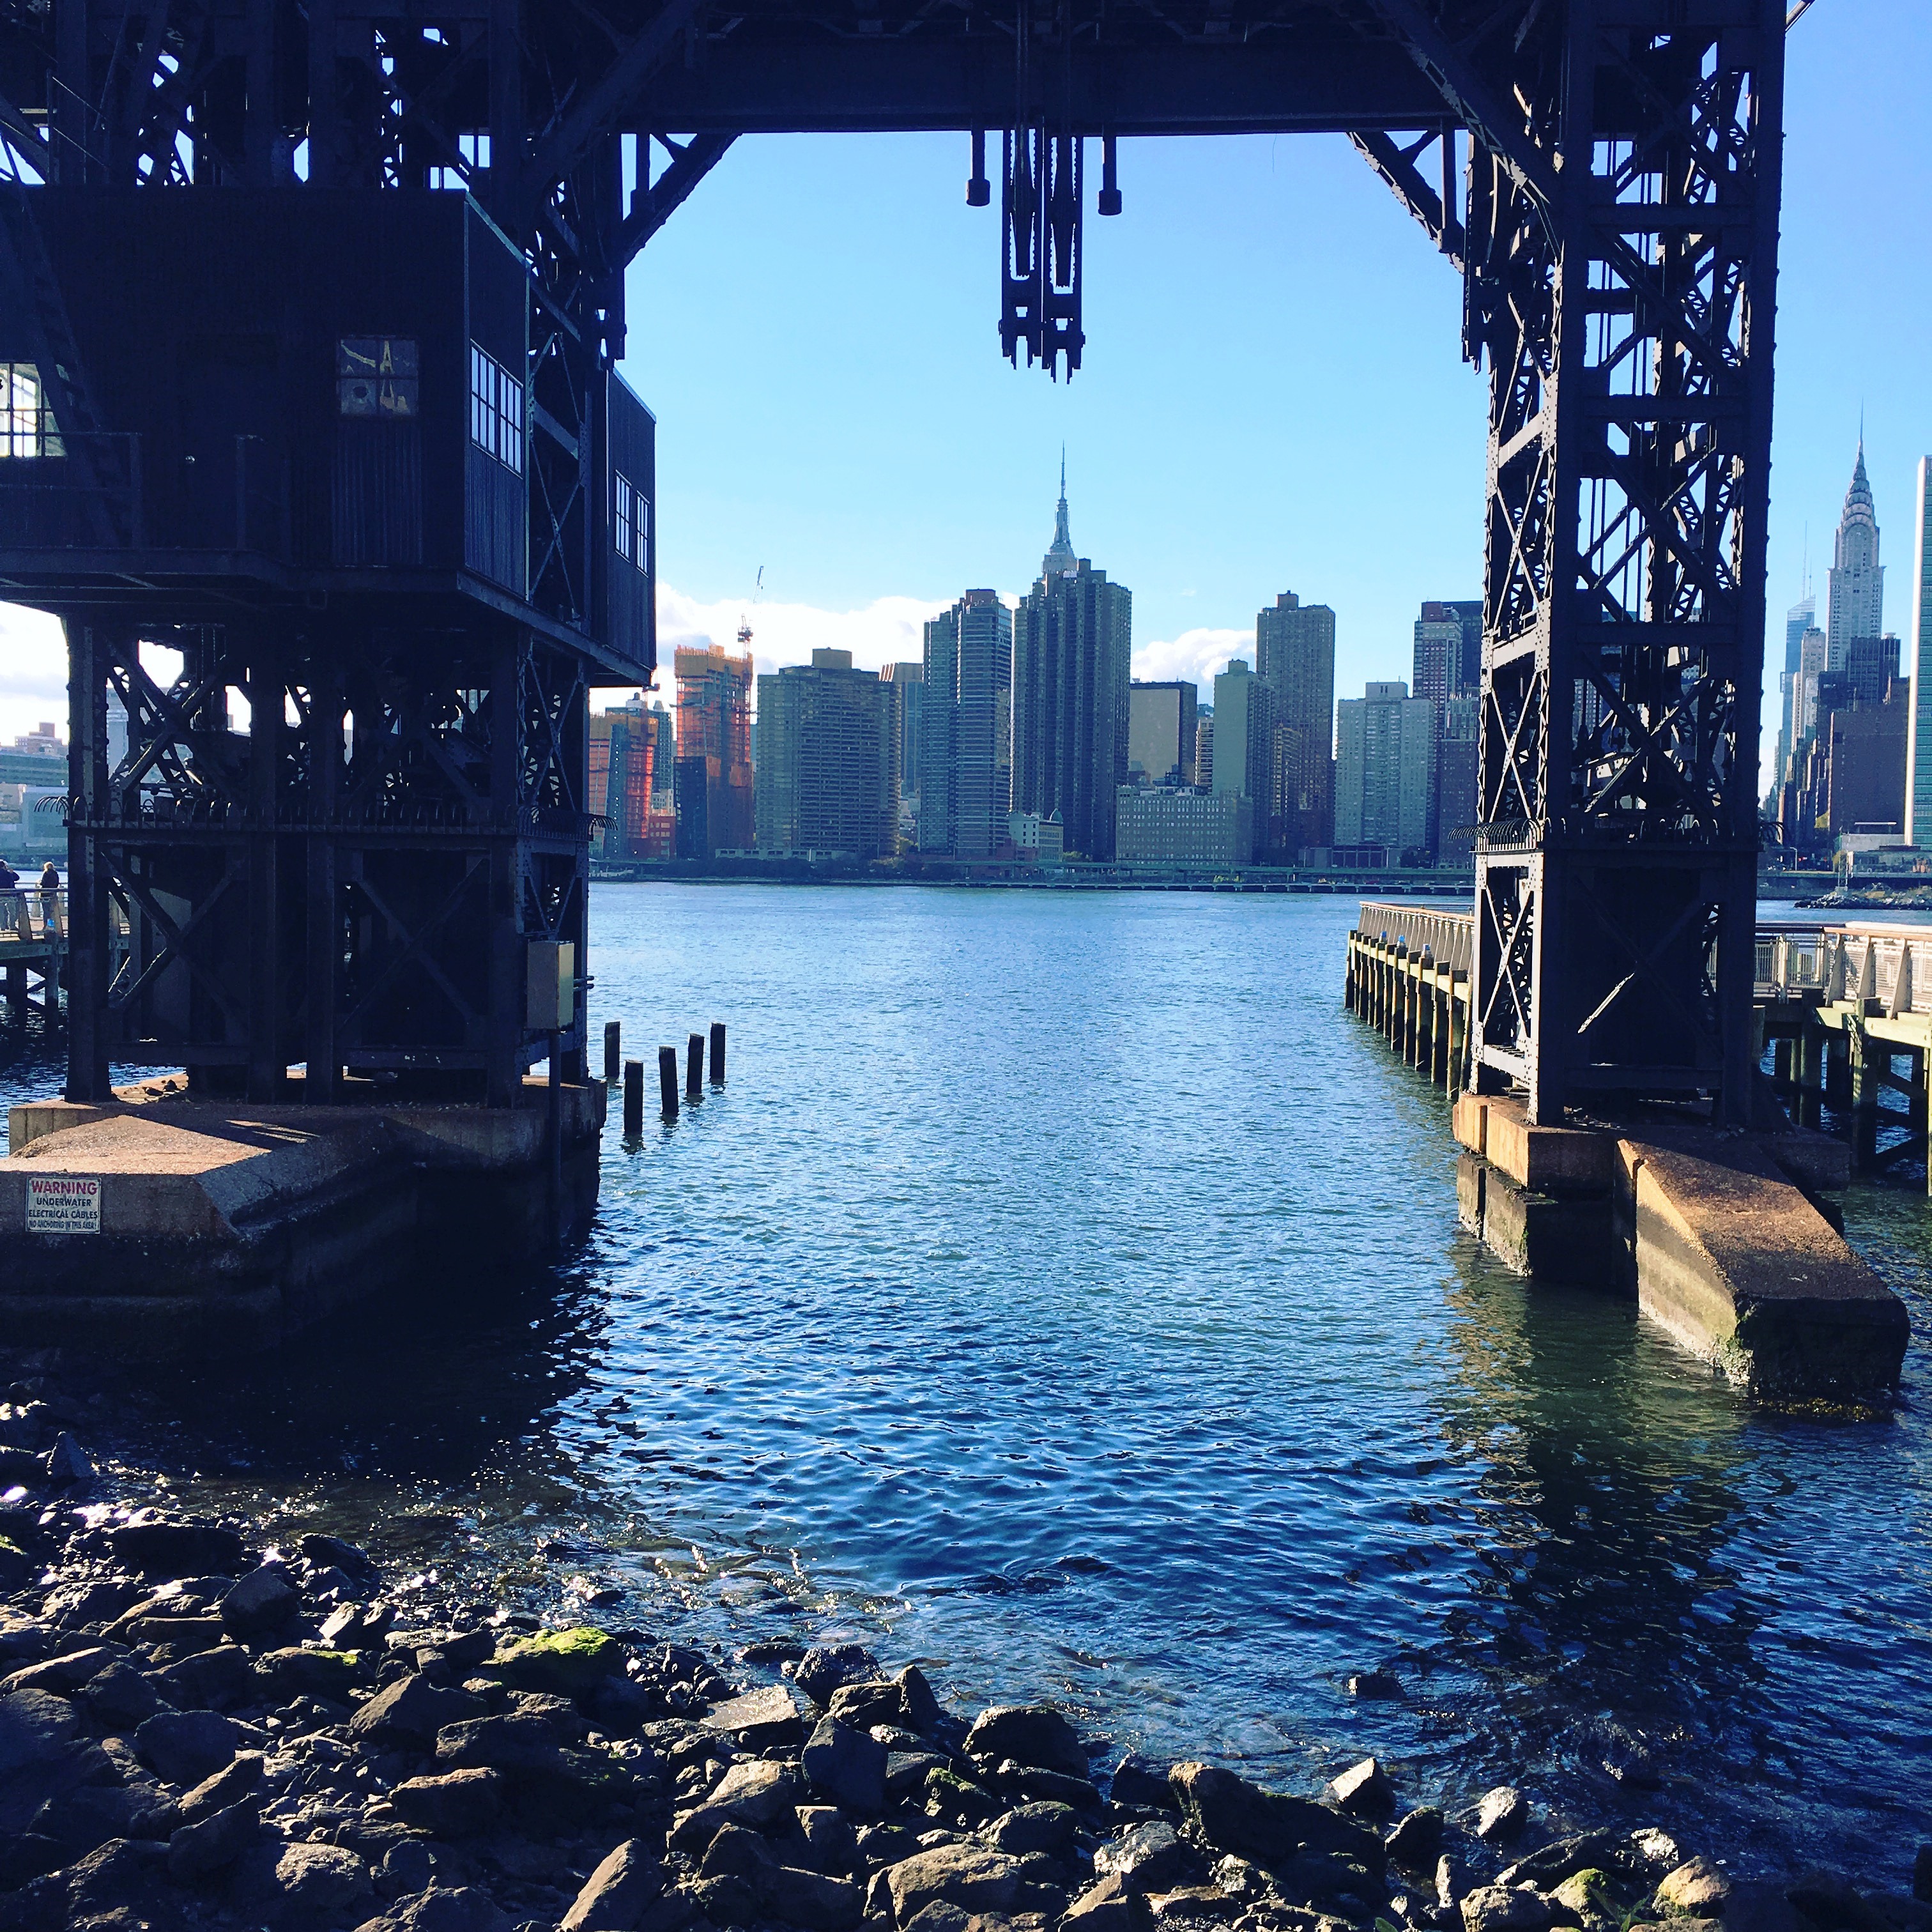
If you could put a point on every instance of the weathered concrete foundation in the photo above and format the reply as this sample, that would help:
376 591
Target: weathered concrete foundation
1723 1238
225 1227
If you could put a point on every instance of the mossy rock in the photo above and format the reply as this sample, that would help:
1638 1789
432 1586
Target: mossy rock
564 1663
321 1673
1591 1899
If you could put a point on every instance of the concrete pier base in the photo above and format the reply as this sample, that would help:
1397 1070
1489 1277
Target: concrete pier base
1725 1239
226 1227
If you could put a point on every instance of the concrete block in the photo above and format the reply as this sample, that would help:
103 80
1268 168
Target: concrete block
1813 1160
1471 1173
1547 1160
1734 1262
1470 1117
1567 1241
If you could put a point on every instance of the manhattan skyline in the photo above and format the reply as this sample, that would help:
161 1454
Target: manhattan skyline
1273 398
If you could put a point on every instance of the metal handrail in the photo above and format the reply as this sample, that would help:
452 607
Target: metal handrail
29 914
1449 937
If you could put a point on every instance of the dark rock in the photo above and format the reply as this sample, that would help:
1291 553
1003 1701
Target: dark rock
264 1599
1041 1827
961 1875
1416 1842
1921 1875
228 1786
1496 1908
186 1746
754 1794
812 1900
1756 1906
514 1742
1696 1888
120 1697
453 1804
327 1551
1375 1684
848 1766
877 1700
1150 1857
1269 1827
615 1895
357 1626
42 1754
214 1842
320 1673
407 1866
1585 1900
121 1875
1029 1734
90 1815
1052 1787
1831 1901
65 1674
21 1466
214 1679
761 1718
157 1547
906 1772
68 1466
1109 1905
1139 1780
823 1668
1364 1791
312 1883
1550 1865
73 1605
180 1635
448 1909
1502 1814
413 1707
918 1706
832 1845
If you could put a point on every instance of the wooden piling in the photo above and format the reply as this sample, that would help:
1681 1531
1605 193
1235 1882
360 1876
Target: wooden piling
612 1061
717 1053
694 1068
634 1099
667 1081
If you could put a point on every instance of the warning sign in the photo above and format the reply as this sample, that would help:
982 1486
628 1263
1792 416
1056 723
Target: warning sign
63 1203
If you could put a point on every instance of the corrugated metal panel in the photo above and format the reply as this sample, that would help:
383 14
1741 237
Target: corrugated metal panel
376 497
496 502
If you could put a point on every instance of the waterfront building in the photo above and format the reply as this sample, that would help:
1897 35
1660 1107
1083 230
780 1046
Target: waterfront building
1457 781
1800 619
714 749
1855 607
1203 748
828 780
1072 640
1294 656
1161 725
1183 826
907 684
1918 757
966 748
1386 745
1035 841
1244 765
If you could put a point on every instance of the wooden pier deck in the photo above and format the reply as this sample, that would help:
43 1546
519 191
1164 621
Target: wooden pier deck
1845 1009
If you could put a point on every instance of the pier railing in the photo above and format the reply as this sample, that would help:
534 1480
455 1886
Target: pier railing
1446 936
30 916
1889 964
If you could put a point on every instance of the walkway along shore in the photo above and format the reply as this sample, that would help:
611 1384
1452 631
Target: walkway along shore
198 1733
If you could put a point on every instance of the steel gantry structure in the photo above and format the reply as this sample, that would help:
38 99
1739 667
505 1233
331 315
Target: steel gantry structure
364 460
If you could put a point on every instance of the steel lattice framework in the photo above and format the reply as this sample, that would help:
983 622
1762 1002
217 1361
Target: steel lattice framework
1603 173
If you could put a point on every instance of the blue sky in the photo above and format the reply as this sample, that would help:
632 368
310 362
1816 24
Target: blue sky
1272 399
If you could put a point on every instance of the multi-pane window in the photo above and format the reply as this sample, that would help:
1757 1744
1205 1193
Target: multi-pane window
27 426
376 376
496 409
630 523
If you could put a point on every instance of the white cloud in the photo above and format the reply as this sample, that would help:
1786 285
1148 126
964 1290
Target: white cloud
33 672
1197 654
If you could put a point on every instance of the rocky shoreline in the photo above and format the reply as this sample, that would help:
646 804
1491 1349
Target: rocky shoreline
197 1732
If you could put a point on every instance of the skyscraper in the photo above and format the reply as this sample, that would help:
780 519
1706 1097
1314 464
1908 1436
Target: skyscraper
1456 782
1856 589
1918 750
827 778
1385 770
1800 618
1295 655
1437 671
966 755
1160 730
1244 741
1072 637
907 684
714 750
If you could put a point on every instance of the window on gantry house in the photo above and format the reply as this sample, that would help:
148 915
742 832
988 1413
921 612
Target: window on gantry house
496 409
27 427
630 523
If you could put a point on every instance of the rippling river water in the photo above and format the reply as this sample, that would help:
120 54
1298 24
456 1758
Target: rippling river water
1066 1293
